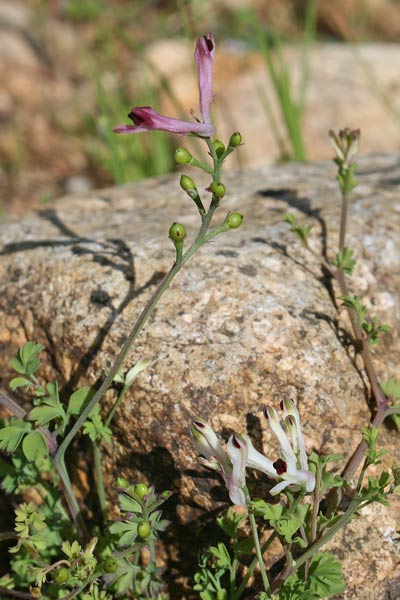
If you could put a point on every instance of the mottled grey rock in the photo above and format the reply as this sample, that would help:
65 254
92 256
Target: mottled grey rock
250 321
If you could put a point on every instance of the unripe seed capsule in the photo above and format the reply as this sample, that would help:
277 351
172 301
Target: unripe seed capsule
110 565
219 147
187 183
61 575
144 530
182 156
218 189
236 139
177 232
234 220
141 490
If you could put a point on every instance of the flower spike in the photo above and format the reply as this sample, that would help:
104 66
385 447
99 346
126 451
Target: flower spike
146 118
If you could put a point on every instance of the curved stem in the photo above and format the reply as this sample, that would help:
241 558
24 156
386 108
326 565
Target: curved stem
146 312
181 259
260 559
101 493
363 345
252 566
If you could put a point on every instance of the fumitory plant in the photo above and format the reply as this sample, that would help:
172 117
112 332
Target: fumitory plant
62 549
56 554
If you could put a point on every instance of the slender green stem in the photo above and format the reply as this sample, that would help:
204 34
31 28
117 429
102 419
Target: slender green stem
196 163
344 519
116 404
146 312
315 506
181 259
232 576
343 220
355 505
252 566
101 492
259 555
70 498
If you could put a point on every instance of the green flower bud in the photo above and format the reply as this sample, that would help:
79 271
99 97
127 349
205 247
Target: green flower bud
177 232
182 156
122 483
218 189
187 183
61 575
141 490
234 220
219 147
236 139
110 565
144 530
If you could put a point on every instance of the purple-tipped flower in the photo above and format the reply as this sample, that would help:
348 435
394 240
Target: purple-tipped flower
204 57
146 119
291 469
231 463
292 466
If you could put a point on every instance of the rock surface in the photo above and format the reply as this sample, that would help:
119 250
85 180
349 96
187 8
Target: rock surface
249 321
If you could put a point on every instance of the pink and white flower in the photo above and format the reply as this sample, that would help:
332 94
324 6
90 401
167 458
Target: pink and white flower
291 468
146 119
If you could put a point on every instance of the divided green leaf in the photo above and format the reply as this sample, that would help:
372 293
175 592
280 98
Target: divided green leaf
26 361
11 435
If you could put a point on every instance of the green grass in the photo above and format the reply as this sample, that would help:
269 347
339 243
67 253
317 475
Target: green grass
291 103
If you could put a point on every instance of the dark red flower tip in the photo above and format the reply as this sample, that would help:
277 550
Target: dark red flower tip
280 466
265 411
210 45
236 442
281 404
199 424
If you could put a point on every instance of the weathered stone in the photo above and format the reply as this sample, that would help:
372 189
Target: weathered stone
249 321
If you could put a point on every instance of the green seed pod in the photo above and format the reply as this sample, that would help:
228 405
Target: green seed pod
110 565
144 530
236 139
61 575
187 183
221 595
177 232
219 147
234 220
182 156
218 189
141 490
